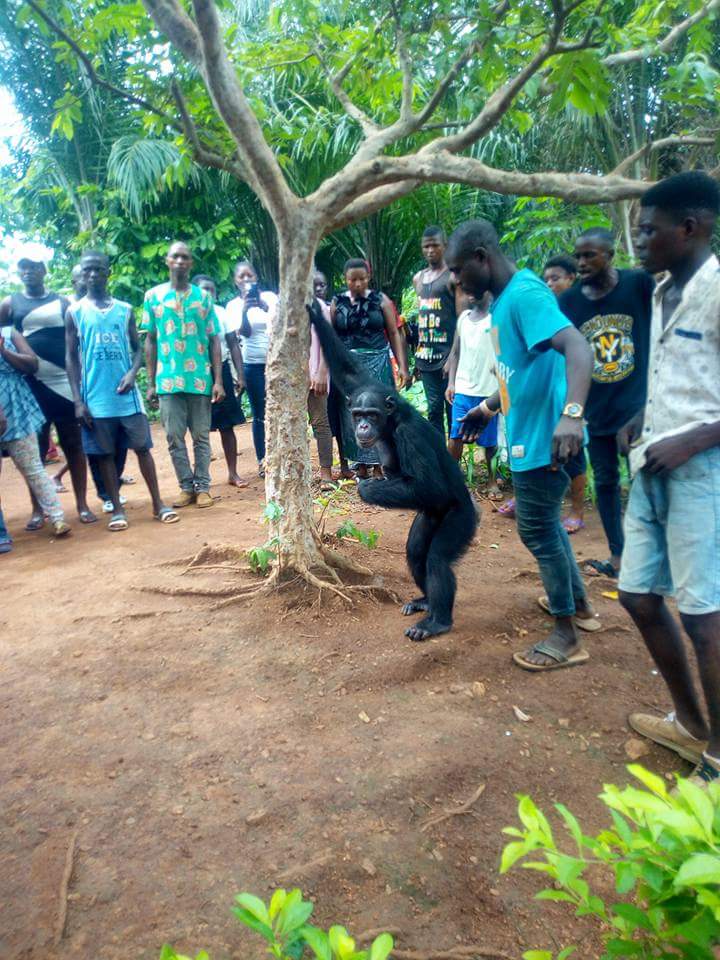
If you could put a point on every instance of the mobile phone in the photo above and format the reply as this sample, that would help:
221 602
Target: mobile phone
252 292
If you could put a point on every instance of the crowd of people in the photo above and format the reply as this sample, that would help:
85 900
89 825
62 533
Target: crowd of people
588 357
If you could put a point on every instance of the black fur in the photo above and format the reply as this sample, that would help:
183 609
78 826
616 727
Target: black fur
420 475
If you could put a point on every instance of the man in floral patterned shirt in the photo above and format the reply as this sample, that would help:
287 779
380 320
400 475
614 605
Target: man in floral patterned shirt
184 371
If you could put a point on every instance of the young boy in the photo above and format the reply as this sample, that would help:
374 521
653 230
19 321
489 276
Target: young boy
103 358
672 524
471 379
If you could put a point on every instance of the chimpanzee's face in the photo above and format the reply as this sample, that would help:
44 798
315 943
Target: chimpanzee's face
370 411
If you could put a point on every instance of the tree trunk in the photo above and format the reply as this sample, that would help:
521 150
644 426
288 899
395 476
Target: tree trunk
288 470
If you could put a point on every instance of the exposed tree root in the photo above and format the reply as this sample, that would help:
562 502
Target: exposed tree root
339 560
446 814
61 921
192 591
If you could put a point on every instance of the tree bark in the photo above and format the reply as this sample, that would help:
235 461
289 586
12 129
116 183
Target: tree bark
288 471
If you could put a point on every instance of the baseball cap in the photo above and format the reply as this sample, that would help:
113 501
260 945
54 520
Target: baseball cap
34 252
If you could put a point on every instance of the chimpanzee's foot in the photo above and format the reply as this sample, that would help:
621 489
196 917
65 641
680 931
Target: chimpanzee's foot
428 627
416 605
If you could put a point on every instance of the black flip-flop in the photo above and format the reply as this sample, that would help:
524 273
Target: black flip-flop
601 567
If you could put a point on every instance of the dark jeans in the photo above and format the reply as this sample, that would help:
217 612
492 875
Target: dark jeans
435 385
604 457
538 503
255 386
94 463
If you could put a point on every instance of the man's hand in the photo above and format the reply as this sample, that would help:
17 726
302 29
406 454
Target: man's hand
404 380
666 455
568 439
83 415
239 386
473 423
127 383
450 393
628 434
318 387
218 393
152 398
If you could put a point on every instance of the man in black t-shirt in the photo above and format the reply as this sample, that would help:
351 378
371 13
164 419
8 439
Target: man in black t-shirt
437 319
612 309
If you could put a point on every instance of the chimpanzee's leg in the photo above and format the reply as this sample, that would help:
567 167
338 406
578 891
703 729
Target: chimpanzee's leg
418 544
451 539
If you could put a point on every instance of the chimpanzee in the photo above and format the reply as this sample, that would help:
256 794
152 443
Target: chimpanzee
419 474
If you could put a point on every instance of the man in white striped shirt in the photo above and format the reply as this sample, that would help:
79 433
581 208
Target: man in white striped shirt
672 524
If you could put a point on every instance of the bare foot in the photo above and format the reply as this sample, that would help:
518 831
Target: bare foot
416 605
426 628
236 480
362 472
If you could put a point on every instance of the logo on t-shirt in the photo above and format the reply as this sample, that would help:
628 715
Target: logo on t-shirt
611 339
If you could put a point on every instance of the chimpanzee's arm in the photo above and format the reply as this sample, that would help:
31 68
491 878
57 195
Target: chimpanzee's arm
396 494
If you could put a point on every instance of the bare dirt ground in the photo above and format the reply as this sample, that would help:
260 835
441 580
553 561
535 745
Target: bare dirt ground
157 757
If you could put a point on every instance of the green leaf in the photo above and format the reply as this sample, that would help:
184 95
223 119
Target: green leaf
537 955
625 877
511 854
700 869
650 780
699 802
557 896
632 915
381 947
276 903
318 942
247 918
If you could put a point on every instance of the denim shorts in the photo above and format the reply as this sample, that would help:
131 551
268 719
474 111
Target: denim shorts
462 404
108 433
672 535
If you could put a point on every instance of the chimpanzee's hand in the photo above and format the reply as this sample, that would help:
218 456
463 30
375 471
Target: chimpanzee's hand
567 440
473 423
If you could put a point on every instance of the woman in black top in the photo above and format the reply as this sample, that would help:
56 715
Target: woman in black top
365 322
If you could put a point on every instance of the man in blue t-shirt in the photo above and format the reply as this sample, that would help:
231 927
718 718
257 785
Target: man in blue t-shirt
103 356
544 367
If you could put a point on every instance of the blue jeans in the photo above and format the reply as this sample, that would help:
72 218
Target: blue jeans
538 503
255 386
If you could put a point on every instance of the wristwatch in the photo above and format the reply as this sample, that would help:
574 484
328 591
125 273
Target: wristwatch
574 410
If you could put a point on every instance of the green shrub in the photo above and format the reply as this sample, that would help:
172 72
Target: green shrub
283 925
662 855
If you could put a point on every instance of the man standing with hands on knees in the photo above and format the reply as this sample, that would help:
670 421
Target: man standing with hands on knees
672 523
184 366
544 367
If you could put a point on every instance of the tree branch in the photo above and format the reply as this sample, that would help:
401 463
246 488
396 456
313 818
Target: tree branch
92 72
655 145
172 20
660 47
400 175
367 125
406 103
201 153
261 168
